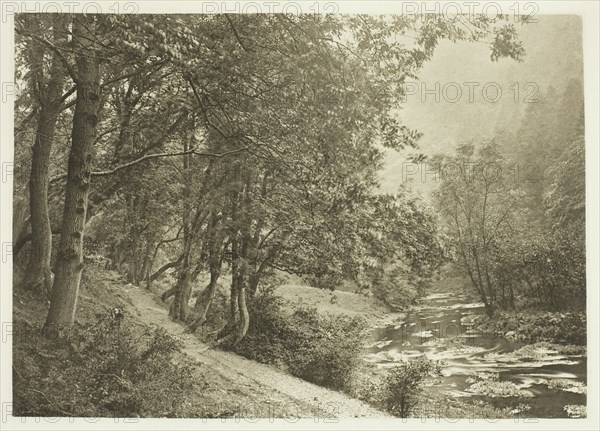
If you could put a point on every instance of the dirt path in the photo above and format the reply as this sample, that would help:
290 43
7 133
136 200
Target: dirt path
258 381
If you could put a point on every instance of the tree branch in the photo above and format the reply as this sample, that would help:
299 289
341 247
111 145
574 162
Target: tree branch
54 48
235 33
166 266
149 157
131 74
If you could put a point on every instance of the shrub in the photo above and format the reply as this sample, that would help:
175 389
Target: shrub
100 370
322 350
367 384
404 384
577 411
554 327
567 385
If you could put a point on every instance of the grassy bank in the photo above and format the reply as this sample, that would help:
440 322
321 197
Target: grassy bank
333 302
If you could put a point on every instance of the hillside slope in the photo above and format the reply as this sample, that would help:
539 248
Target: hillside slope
271 385
225 384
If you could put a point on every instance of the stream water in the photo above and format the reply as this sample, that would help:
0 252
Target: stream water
431 329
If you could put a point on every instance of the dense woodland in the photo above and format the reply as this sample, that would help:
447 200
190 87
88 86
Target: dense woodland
245 143
235 148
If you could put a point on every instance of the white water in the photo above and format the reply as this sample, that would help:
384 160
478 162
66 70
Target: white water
427 329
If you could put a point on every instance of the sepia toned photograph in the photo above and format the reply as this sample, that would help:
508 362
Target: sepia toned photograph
312 212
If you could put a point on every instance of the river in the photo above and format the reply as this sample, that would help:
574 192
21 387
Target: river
438 328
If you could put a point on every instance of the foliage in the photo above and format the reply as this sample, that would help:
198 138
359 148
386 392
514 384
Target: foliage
482 377
101 369
282 154
576 411
513 257
367 384
553 327
543 263
394 289
498 389
405 243
565 201
319 349
544 271
490 385
404 384
398 390
538 151
477 200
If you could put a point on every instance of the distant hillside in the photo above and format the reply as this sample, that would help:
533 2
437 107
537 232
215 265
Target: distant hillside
554 56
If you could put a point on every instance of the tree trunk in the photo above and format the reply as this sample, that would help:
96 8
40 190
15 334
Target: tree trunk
205 300
183 290
39 278
246 250
168 293
178 310
69 262
166 267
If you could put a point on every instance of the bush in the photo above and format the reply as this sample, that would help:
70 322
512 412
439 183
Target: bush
567 385
321 350
404 385
576 411
104 369
553 327
368 383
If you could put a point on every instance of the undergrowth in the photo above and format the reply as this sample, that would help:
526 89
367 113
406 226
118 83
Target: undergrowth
104 369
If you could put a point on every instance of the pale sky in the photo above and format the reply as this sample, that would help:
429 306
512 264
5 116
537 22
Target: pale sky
553 56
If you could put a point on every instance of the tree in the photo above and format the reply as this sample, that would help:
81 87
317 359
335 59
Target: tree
477 199
565 200
47 79
535 148
406 244
69 264
543 263
405 384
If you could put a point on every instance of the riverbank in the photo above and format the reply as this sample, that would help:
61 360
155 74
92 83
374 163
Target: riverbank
532 326
481 377
484 373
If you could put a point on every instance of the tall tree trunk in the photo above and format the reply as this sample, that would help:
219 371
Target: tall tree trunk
183 290
178 310
244 315
244 254
215 259
39 278
228 331
69 262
